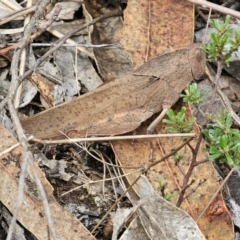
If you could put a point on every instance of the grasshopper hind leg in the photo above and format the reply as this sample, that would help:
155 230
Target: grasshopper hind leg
151 129
153 125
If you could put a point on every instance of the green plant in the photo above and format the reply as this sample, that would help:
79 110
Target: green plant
193 95
178 157
177 123
221 46
161 188
168 197
224 141
160 184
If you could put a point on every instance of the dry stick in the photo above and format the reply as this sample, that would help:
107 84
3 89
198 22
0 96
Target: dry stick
14 84
215 194
10 4
112 138
117 174
216 82
206 28
199 12
223 97
80 49
20 195
216 7
44 200
144 171
17 14
13 147
22 64
14 69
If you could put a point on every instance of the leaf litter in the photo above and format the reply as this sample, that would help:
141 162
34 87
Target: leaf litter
153 86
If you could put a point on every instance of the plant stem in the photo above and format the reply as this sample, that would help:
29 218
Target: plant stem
193 164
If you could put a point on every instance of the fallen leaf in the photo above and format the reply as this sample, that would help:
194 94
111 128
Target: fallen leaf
155 27
112 63
161 219
45 87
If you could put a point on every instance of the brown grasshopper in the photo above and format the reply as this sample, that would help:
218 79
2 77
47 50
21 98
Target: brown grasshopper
123 104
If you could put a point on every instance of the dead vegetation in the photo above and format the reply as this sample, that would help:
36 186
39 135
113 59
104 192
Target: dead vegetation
54 57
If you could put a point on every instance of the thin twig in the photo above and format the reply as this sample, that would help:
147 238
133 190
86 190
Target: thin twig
22 64
13 147
215 194
17 14
216 7
11 93
111 45
216 82
193 164
70 41
224 99
44 200
206 28
19 200
112 138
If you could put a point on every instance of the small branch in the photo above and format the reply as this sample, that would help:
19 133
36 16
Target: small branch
44 200
187 176
216 7
112 138
194 190
224 99
13 147
70 41
20 196
215 194
216 82
17 14
11 93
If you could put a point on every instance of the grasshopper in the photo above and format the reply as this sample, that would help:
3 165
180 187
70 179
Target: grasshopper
123 104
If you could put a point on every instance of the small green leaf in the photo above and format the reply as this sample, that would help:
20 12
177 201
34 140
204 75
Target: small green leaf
214 156
223 141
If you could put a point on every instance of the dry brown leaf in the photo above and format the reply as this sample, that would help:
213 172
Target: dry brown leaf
155 27
31 214
45 87
120 106
112 63
161 219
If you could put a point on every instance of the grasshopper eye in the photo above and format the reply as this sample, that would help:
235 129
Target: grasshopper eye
197 61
